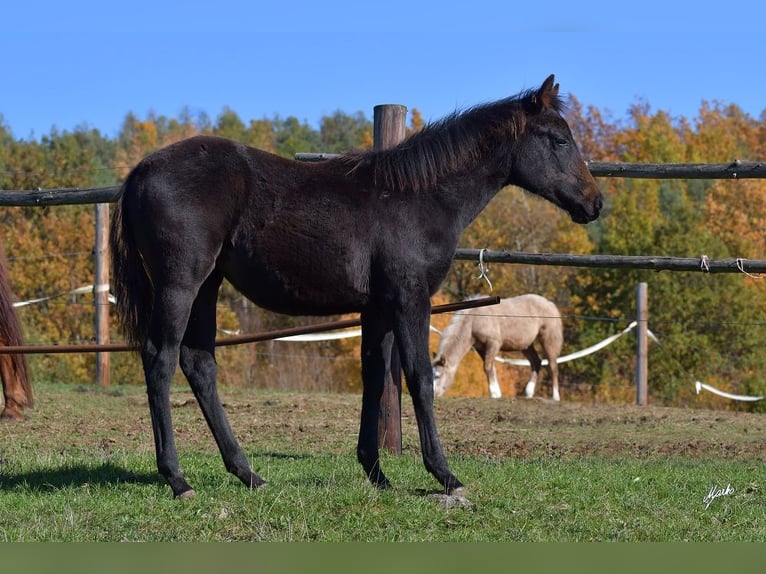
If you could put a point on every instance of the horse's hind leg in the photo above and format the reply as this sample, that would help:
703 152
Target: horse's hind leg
535 363
160 359
198 364
554 368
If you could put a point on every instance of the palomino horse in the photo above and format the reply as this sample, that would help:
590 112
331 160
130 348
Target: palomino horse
512 325
17 389
372 232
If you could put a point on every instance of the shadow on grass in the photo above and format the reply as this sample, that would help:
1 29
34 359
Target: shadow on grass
76 475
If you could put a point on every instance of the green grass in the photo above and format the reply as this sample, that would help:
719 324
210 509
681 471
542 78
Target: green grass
323 498
63 478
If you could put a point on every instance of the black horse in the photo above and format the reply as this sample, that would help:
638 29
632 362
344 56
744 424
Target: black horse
372 232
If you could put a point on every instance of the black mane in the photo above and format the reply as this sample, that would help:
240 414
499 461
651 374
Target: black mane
456 142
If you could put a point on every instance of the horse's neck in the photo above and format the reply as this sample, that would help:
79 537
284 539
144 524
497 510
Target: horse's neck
469 193
456 340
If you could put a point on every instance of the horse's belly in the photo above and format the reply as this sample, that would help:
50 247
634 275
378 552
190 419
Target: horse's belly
300 286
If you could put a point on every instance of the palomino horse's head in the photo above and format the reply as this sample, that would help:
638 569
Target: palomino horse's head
546 160
442 375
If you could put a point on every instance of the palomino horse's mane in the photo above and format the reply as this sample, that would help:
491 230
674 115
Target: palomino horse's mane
455 339
446 146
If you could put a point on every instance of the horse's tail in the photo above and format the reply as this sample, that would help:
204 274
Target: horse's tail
132 286
11 333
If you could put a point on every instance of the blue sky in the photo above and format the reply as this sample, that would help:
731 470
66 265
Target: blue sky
67 64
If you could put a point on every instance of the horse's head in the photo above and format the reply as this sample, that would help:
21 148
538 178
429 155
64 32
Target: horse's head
546 160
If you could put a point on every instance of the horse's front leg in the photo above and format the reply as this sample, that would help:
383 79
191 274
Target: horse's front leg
411 325
377 344
490 370
535 363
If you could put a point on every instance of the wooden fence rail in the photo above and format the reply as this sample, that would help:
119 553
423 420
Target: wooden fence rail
59 196
237 339
653 262
735 170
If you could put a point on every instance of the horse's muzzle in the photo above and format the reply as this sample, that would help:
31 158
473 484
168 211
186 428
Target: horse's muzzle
590 212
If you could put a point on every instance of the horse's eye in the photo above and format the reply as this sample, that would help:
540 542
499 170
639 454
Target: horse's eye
561 142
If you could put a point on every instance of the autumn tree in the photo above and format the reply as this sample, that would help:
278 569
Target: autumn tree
665 217
341 132
50 248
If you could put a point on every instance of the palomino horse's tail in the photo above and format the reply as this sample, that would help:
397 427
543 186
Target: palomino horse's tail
132 286
11 335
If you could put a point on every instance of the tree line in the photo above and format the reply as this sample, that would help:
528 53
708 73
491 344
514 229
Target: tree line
710 328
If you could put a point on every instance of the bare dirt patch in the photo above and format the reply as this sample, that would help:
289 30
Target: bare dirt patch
293 423
526 428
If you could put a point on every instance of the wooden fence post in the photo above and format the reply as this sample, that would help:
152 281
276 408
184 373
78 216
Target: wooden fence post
388 131
101 292
642 344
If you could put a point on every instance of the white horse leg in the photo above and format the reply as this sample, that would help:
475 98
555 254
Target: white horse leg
553 366
491 372
494 386
529 390
535 363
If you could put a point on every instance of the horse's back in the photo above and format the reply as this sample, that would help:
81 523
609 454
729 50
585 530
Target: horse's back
534 304
517 321
203 170
293 237
546 316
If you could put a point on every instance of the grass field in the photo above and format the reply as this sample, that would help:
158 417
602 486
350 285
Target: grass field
82 469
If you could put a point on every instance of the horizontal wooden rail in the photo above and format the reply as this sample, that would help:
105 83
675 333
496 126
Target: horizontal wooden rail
60 196
734 170
315 156
237 339
652 262
737 169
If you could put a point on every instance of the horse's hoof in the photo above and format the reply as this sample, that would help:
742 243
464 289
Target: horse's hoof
256 481
378 479
380 483
187 494
12 415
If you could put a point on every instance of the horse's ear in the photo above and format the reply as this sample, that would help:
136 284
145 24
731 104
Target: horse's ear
547 94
